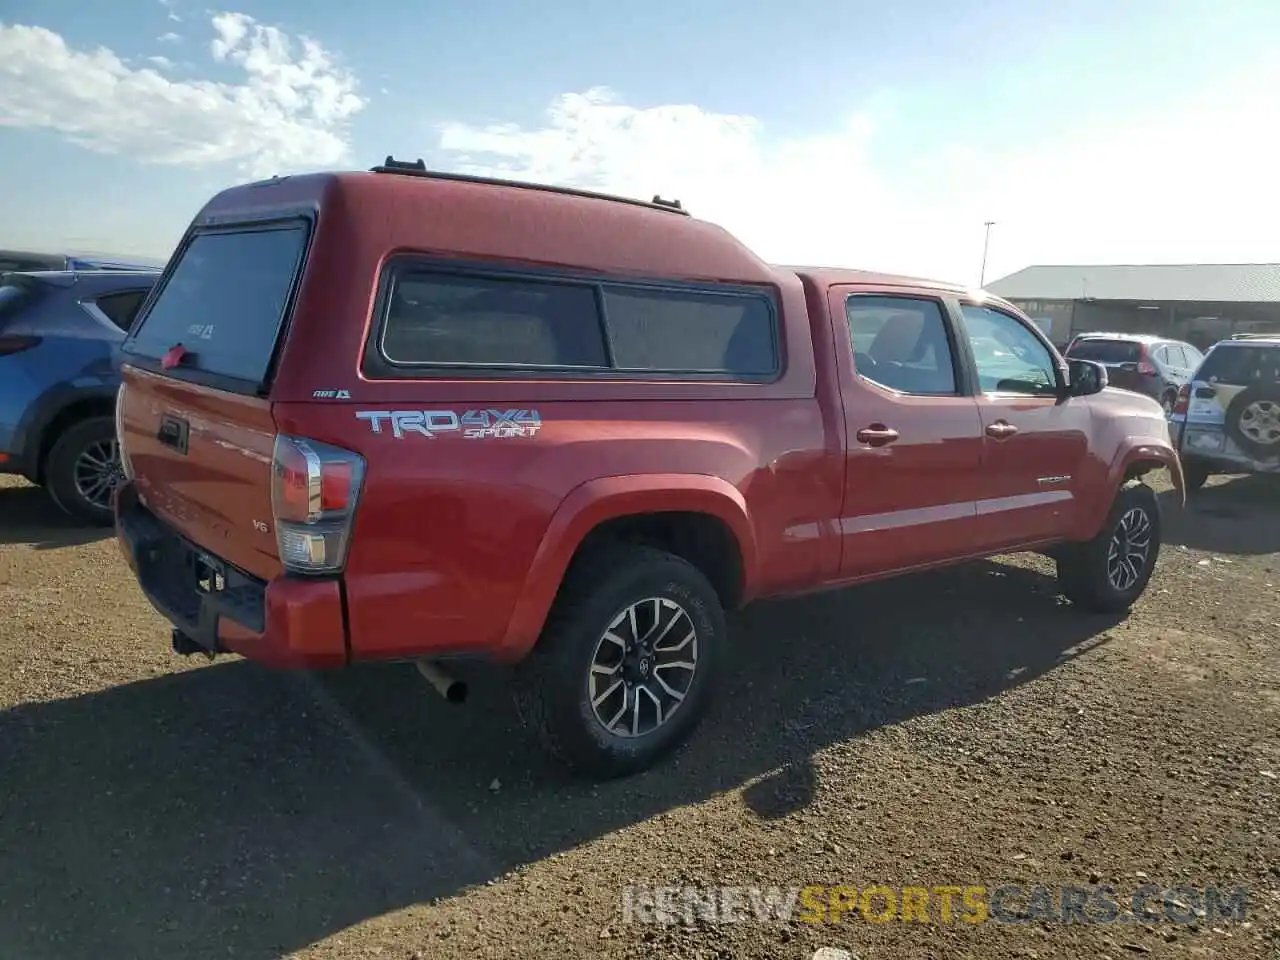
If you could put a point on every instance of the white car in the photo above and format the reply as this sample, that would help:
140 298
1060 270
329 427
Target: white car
1227 418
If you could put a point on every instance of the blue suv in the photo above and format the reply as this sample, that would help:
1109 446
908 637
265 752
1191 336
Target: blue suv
60 333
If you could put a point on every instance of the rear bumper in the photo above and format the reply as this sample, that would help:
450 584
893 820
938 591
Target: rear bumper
1210 445
285 622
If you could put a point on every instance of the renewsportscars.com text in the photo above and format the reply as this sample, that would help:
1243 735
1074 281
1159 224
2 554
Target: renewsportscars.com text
972 904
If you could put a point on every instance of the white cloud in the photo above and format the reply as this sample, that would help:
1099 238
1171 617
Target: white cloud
171 9
1192 181
164 63
169 37
290 111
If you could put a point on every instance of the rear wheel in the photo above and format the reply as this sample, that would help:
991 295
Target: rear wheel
1168 401
83 469
624 668
1108 573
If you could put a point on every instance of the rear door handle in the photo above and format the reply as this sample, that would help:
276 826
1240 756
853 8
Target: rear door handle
877 435
1001 429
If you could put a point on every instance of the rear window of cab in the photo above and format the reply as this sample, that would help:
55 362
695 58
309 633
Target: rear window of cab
438 321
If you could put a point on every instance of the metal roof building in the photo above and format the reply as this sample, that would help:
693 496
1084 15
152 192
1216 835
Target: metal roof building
1198 302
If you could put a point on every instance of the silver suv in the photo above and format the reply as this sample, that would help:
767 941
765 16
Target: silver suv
1227 418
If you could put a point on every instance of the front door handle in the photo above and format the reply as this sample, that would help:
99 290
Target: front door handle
877 435
1001 429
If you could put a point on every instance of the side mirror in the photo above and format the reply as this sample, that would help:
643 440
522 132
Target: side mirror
1085 378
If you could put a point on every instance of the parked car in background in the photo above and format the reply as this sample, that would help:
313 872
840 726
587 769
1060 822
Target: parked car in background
609 422
1227 417
1150 365
13 261
60 333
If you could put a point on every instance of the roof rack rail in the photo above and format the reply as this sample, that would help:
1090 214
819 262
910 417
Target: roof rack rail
1256 336
418 168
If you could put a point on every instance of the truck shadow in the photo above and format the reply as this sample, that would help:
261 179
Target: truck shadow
28 516
1237 515
228 810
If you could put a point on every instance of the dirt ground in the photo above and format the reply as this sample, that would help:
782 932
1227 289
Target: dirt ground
957 728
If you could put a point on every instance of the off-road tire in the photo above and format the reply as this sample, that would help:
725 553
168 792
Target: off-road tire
551 689
60 466
1083 567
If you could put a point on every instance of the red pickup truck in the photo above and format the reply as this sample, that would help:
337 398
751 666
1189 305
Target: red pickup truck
402 415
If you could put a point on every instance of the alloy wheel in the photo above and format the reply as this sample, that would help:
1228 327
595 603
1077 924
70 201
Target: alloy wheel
643 667
97 472
1129 551
1260 422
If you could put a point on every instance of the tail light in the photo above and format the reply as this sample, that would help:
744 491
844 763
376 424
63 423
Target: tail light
125 463
314 491
1145 366
17 344
1183 400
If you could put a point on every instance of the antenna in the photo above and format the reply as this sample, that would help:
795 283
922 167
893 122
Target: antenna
986 242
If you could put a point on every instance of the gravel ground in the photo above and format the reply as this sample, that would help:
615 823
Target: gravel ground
957 728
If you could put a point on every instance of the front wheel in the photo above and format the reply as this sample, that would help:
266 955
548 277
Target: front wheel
83 469
1109 573
623 670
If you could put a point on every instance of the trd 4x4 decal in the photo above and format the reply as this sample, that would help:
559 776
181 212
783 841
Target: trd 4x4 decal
472 424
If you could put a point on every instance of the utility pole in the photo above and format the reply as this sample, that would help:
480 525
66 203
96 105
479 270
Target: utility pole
986 242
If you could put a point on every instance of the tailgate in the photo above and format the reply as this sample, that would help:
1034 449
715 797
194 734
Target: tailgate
1207 402
195 424
201 460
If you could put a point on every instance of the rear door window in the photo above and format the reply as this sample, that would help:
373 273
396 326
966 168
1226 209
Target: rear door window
901 343
225 301
121 308
1241 366
1106 351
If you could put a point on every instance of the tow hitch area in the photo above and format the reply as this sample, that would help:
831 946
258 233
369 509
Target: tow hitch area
184 646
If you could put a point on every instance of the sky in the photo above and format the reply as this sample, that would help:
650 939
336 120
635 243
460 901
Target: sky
821 132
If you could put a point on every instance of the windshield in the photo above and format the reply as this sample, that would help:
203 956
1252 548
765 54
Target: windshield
225 301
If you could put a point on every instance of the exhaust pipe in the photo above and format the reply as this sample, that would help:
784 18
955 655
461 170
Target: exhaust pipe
451 688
